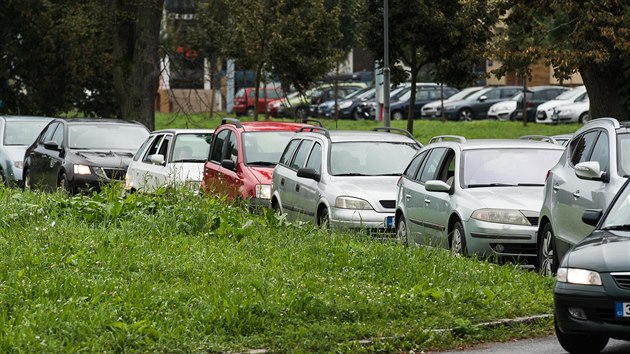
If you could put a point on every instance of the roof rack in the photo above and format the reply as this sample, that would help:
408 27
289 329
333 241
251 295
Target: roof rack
392 129
234 121
317 121
545 138
315 129
457 138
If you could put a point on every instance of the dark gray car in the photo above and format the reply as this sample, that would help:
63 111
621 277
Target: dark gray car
476 106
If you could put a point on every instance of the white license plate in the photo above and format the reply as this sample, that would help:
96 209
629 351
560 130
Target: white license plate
622 309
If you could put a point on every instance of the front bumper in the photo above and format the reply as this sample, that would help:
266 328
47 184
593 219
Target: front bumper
93 182
362 219
597 303
502 240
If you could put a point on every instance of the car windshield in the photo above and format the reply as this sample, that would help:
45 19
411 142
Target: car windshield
191 147
617 217
265 148
370 158
106 136
22 132
571 94
507 166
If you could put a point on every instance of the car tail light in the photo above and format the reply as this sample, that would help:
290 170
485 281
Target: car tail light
530 103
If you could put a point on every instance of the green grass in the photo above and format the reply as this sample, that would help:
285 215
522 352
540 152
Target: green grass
176 272
423 130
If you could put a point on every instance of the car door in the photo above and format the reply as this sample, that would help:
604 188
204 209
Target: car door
149 173
308 190
407 200
437 205
37 156
53 157
574 194
482 105
294 184
283 179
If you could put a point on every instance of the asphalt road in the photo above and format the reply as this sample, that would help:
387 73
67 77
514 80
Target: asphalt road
545 345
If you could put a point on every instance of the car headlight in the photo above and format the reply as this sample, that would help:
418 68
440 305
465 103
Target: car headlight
578 276
82 170
263 191
450 108
352 203
18 164
501 216
345 104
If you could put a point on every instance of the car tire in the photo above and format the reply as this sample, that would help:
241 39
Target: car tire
547 255
301 113
580 343
323 220
397 115
250 112
3 178
27 184
356 115
465 115
457 240
62 183
584 118
402 233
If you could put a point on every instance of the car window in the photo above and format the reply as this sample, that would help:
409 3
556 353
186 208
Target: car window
623 149
189 147
232 149
581 147
315 158
58 135
447 170
265 147
422 95
47 135
302 153
600 152
218 143
166 143
509 92
288 152
431 165
138 153
154 148
370 158
414 165
492 94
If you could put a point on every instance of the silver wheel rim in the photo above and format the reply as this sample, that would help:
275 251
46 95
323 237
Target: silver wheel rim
546 255
357 115
586 118
466 115
456 243
397 116
401 233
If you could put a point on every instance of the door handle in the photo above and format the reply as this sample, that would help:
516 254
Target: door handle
282 181
556 187
576 194
297 187
427 201
407 196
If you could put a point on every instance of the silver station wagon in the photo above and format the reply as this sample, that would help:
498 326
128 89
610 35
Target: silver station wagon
344 179
475 197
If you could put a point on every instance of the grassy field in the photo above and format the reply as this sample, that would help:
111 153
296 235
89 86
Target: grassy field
177 272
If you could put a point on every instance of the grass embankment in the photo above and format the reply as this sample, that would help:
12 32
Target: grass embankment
177 272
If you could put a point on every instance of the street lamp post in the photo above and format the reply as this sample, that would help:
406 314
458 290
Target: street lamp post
386 85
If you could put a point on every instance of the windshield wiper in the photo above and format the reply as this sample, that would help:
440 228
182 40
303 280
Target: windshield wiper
261 163
491 185
189 160
530 185
624 227
351 174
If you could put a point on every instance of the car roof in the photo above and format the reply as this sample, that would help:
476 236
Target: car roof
475 144
183 131
361 135
98 120
265 125
15 118
547 87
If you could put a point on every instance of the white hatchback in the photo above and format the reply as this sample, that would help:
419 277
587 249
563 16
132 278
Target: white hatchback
169 157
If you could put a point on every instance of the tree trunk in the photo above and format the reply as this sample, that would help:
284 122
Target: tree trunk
412 98
135 58
257 88
524 100
605 96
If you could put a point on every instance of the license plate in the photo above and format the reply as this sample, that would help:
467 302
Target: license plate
622 309
389 222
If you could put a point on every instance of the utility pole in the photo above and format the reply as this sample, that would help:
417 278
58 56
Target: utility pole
386 85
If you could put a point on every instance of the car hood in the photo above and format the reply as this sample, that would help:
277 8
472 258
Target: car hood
14 152
521 198
603 251
552 104
262 174
367 187
503 106
114 159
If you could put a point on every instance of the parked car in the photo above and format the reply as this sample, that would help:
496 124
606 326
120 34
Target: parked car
591 171
245 100
169 157
512 108
545 110
368 108
471 197
562 139
242 157
476 106
424 94
348 106
578 111
298 105
342 179
433 110
327 94
16 134
81 154
592 291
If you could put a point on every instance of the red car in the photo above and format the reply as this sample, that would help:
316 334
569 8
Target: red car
245 99
242 158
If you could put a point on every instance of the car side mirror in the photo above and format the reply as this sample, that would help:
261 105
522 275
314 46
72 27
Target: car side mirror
309 173
157 159
51 145
591 216
228 164
209 139
437 186
483 98
589 170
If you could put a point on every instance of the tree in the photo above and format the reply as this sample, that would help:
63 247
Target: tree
136 33
446 37
589 37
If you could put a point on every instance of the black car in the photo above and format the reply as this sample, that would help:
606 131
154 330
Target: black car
424 94
78 155
534 97
592 292
476 106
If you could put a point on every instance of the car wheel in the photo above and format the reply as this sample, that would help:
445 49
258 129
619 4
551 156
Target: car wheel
250 112
397 115
62 183
323 220
357 115
584 117
3 179
402 234
458 240
547 255
466 115
580 343
301 113
27 183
